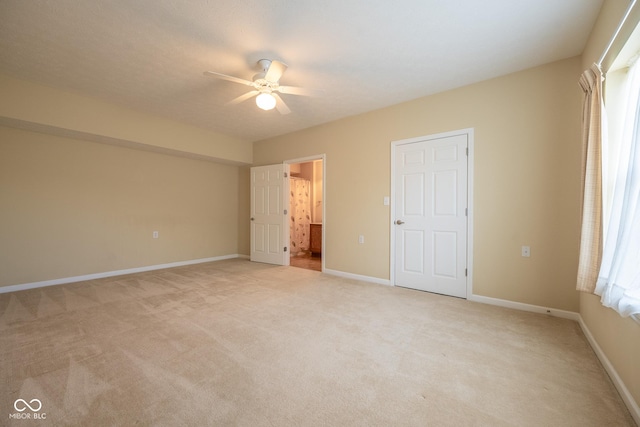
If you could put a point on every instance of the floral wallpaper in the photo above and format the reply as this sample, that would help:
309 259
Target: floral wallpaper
300 210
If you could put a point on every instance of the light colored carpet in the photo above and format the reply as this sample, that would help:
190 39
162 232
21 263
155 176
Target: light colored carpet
239 343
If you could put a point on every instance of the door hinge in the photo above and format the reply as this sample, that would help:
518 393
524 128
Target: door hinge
285 211
286 174
465 272
467 150
285 249
466 211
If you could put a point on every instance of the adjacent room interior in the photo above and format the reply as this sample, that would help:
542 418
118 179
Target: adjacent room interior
305 211
128 136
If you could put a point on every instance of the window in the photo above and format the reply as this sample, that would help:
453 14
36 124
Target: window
619 276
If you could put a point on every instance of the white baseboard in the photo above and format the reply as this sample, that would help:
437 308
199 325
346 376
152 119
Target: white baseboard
526 307
628 399
33 285
357 277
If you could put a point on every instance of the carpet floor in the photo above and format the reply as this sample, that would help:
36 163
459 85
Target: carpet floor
235 343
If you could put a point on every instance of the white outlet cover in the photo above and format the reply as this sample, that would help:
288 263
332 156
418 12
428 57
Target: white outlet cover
386 200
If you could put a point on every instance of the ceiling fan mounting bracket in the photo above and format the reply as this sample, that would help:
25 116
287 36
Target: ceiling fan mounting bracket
264 64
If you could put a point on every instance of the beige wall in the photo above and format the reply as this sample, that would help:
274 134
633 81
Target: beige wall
526 180
39 107
618 337
77 199
309 171
70 207
317 191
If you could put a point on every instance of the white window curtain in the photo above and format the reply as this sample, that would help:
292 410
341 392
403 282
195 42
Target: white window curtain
592 134
618 281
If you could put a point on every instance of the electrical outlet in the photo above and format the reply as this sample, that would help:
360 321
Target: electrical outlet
361 239
526 251
155 234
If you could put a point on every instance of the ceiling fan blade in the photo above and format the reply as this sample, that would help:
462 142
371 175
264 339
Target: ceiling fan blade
244 97
275 71
229 78
291 90
280 105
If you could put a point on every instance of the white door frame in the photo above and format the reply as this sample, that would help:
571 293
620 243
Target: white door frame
287 236
392 250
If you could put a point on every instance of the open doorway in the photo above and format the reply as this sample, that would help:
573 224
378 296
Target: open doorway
306 211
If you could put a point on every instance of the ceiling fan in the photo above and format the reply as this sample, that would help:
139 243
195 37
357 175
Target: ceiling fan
266 85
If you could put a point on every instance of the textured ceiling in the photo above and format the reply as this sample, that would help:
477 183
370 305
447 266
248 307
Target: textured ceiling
150 55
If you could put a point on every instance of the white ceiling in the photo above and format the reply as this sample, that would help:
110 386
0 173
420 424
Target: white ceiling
150 55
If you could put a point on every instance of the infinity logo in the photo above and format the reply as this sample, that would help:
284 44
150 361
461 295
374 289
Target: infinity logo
26 405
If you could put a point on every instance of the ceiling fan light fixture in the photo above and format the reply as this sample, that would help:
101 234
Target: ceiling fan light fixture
266 101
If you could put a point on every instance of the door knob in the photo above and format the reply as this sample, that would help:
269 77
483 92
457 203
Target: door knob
252 218
399 222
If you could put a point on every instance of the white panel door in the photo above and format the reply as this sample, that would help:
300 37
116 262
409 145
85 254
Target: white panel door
268 191
430 180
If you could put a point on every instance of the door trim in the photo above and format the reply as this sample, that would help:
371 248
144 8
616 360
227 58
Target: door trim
287 237
469 132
